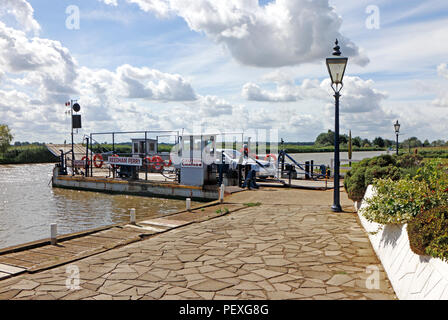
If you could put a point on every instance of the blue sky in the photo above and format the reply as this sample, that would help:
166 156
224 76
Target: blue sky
235 65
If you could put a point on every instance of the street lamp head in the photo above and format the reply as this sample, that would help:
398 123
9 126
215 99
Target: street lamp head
397 127
336 66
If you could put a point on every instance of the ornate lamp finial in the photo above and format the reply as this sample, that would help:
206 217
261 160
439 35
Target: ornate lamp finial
336 49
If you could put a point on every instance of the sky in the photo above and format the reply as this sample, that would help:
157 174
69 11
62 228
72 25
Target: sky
233 66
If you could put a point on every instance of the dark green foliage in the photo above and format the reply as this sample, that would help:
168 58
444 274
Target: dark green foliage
378 141
434 153
5 137
385 166
327 139
428 233
29 154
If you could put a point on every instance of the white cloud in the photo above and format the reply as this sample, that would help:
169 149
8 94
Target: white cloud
442 98
41 63
281 33
22 12
161 8
212 106
358 95
145 83
442 70
284 93
110 2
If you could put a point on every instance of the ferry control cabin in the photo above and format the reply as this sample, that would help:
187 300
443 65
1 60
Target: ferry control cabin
138 147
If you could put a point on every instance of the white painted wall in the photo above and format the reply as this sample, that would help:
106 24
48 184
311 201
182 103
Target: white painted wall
412 276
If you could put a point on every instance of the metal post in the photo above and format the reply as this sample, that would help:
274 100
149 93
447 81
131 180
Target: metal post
336 207
146 155
312 168
397 143
307 170
91 154
113 152
290 173
87 158
73 152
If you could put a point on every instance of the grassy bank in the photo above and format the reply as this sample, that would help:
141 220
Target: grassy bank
27 154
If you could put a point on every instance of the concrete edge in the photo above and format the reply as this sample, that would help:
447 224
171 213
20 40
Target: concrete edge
413 276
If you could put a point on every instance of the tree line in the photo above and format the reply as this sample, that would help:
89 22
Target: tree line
327 139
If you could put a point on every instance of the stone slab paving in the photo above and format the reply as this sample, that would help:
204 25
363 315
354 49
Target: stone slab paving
289 247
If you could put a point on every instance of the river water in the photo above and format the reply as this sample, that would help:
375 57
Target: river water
28 205
324 158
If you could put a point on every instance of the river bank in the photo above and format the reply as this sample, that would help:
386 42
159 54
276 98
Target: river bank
27 155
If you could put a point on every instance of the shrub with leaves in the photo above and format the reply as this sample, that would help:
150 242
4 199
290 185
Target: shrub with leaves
428 233
397 202
385 166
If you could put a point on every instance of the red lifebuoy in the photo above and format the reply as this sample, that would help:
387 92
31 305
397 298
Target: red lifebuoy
268 156
84 158
169 163
96 157
158 163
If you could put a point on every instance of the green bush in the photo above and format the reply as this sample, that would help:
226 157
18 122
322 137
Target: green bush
29 154
385 166
397 202
428 233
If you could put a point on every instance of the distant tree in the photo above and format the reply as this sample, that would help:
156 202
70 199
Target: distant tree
426 143
5 138
327 139
343 139
366 143
389 143
378 141
438 143
357 142
413 142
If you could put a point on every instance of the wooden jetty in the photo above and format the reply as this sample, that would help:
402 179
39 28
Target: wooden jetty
41 255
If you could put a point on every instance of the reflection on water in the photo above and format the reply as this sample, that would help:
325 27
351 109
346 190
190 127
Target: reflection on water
28 205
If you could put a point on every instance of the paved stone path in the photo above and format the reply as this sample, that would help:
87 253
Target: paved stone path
289 247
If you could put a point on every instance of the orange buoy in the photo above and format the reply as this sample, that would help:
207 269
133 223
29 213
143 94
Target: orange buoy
95 163
84 158
269 156
158 163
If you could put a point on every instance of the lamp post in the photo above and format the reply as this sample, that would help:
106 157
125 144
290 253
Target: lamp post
397 131
336 68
